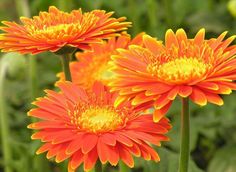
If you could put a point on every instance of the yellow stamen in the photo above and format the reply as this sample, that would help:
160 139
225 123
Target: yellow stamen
100 119
63 29
98 70
97 119
179 70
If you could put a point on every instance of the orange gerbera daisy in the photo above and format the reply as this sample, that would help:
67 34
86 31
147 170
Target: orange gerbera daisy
93 65
196 68
50 31
84 127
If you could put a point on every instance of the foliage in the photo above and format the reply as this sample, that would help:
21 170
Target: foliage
213 134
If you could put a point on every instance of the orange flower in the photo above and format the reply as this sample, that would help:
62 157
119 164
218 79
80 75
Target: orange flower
84 127
196 68
93 65
50 31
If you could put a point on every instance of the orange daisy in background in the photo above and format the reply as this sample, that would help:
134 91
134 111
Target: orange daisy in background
93 65
85 127
52 30
156 73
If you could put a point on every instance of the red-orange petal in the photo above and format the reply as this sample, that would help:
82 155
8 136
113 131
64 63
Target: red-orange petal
126 156
159 113
185 91
199 38
170 39
89 142
198 97
90 159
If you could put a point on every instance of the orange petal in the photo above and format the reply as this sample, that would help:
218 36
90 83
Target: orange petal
160 88
208 85
141 98
153 139
161 101
173 93
53 151
90 159
138 40
126 156
181 35
214 98
61 155
76 159
108 139
89 142
170 39
199 38
145 153
103 151
64 138
223 89
185 91
68 91
198 97
227 42
44 148
124 140
119 100
113 156
75 145
231 85
42 114
152 44
160 113
152 152
135 150
217 42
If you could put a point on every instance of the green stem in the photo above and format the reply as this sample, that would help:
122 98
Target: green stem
4 122
66 66
185 129
33 77
123 167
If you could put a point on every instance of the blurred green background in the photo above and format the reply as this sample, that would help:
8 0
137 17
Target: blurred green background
213 129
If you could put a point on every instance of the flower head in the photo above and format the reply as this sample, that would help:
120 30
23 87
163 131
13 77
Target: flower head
52 30
156 73
93 65
85 126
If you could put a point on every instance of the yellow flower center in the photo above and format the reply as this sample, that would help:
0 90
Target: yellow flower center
59 31
97 70
180 70
103 74
64 27
100 119
97 119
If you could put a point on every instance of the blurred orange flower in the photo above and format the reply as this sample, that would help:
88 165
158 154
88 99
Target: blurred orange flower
94 65
50 31
196 68
84 127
